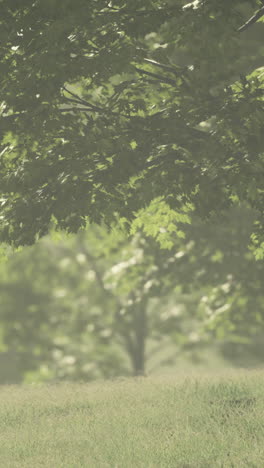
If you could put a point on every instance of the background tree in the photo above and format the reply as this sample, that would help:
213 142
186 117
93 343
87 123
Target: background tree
101 303
84 304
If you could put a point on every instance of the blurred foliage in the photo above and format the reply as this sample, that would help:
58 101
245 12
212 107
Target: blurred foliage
102 303
137 125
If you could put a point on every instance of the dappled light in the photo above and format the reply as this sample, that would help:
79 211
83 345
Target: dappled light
132 233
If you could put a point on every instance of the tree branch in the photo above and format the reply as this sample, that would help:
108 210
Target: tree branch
94 109
160 78
87 106
162 65
128 342
252 20
78 100
131 13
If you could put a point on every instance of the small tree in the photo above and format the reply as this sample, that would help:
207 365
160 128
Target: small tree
100 303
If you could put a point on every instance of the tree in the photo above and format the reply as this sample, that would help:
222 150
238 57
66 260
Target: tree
109 106
102 304
92 301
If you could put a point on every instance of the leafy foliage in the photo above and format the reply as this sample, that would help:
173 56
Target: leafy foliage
88 303
101 303
109 106
145 117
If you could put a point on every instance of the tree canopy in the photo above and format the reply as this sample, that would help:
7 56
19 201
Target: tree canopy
107 106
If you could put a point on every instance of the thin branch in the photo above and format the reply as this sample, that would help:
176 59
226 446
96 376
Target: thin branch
160 78
128 342
125 11
95 109
162 65
252 20
82 109
75 101
88 104
98 275
81 100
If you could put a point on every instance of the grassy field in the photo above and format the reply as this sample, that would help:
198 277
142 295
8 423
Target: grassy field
169 421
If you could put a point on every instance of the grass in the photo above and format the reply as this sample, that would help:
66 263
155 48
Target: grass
166 421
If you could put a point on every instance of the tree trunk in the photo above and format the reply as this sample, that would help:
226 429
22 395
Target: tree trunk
140 335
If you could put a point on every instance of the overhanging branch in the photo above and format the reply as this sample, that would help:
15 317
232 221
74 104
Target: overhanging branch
160 78
252 20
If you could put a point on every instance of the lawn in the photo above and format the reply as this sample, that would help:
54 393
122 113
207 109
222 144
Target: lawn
167 421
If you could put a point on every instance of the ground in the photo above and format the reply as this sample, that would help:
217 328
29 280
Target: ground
194 421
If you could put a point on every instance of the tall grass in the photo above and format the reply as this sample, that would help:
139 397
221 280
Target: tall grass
194 422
